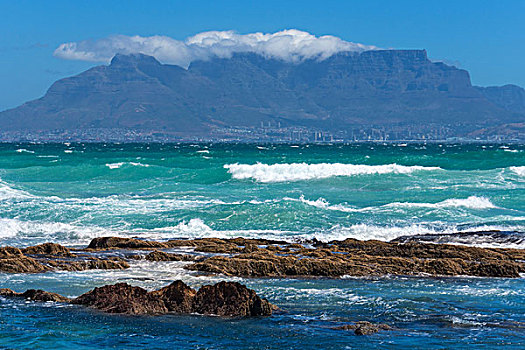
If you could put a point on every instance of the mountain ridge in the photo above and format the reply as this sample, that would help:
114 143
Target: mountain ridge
389 89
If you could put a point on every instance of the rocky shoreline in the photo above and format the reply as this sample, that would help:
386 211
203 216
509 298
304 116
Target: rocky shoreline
246 258
266 258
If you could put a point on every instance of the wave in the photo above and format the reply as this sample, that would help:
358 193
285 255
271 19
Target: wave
485 238
8 192
23 150
50 231
120 164
519 170
303 171
471 202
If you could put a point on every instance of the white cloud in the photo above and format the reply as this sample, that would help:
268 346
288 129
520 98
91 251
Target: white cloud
289 45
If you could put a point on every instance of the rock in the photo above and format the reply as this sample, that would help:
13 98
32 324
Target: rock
222 299
157 255
364 327
122 298
6 292
178 297
52 249
364 258
40 295
230 299
123 243
35 295
50 256
12 260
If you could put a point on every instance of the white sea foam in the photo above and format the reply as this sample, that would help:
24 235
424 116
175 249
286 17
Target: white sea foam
519 170
8 192
120 164
23 150
196 228
471 202
55 231
303 171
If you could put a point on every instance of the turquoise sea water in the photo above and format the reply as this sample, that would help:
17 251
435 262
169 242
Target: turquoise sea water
70 193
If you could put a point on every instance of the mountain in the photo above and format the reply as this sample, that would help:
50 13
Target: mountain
388 90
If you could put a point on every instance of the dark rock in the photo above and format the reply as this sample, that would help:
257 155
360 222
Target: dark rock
40 295
6 292
35 295
123 299
230 299
364 327
178 297
222 299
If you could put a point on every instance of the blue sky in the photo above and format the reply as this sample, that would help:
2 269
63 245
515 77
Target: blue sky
485 37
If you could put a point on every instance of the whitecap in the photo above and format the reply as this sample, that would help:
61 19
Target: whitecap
23 150
120 164
303 171
519 170
471 202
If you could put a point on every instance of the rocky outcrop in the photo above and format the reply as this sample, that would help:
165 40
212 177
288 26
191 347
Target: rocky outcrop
230 299
12 260
35 295
177 297
51 249
121 298
364 258
50 256
222 299
364 327
101 243
158 255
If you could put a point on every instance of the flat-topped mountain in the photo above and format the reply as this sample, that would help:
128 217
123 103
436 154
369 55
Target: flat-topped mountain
390 89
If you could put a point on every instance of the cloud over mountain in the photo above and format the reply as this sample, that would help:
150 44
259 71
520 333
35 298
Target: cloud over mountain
289 45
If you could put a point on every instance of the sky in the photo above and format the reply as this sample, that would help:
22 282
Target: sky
487 38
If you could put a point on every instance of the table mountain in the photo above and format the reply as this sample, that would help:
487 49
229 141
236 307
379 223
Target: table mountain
398 88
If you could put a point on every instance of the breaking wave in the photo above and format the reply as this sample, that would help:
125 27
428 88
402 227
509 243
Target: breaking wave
120 164
303 171
519 170
471 202
8 192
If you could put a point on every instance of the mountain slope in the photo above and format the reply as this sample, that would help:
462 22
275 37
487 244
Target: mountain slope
383 87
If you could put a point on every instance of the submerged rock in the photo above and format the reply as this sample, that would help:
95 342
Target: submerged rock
364 327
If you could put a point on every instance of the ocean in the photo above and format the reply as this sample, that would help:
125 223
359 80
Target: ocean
71 193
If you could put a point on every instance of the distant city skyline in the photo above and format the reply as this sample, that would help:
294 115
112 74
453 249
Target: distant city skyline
484 37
